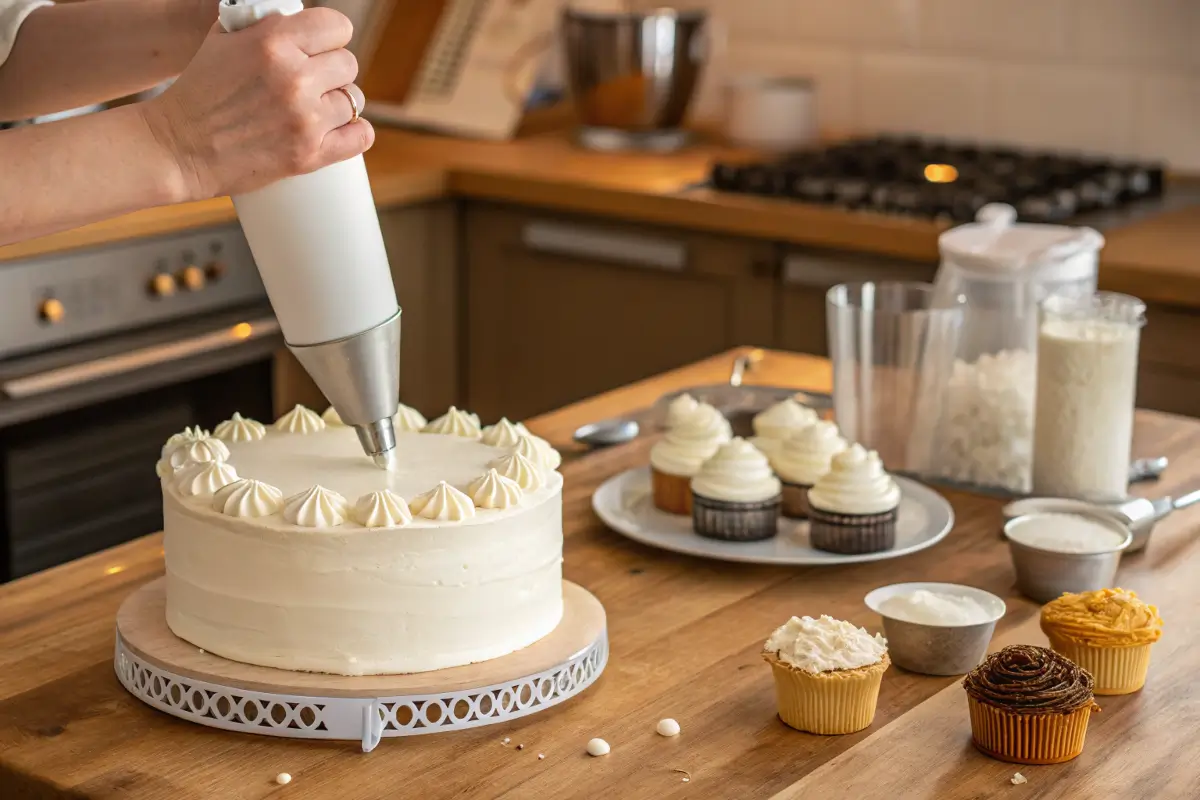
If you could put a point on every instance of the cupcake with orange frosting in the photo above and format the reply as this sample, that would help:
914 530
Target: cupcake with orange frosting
1108 632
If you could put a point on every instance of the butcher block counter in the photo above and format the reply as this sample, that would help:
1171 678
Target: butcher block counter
1154 259
686 637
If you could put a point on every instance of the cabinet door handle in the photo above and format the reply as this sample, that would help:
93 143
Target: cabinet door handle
633 249
826 270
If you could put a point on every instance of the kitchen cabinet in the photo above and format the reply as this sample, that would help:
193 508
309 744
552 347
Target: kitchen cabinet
560 307
422 246
1169 362
807 275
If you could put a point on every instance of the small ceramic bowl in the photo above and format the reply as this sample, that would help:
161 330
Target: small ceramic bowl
1044 575
937 649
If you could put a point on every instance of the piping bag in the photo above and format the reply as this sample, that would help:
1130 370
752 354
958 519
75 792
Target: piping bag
319 250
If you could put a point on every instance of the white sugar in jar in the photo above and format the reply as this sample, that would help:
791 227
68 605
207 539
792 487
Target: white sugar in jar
1086 386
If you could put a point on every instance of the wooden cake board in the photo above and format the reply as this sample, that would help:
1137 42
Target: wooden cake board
177 677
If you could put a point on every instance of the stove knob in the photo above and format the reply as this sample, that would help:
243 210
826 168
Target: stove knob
191 278
215 270
162 285
51 311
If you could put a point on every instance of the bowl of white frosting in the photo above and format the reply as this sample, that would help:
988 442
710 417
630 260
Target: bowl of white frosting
1056 552
936 628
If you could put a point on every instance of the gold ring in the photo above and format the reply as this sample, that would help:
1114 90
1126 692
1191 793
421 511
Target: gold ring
353 104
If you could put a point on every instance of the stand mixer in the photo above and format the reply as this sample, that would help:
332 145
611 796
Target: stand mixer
318 247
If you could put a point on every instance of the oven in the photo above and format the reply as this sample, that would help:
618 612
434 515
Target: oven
104 353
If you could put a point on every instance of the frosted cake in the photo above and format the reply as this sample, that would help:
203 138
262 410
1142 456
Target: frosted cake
287 548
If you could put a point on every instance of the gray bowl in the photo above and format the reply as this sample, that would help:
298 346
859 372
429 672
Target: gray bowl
1044 575
937 649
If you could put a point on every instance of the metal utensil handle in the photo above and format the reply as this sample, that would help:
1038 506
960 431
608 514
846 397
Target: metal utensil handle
1186 500
743 364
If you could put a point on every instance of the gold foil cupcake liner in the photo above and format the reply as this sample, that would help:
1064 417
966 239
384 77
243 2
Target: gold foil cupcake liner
795 500
1117 670
1046 738
827 703
672 493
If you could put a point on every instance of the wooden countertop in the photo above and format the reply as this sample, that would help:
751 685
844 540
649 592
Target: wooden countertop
1153 259
685 641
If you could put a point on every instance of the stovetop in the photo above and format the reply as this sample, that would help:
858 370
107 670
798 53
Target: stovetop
949 181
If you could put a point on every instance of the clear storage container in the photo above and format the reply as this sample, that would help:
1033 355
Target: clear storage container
1002 270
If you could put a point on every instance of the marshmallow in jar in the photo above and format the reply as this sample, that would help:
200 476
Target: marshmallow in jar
1086 387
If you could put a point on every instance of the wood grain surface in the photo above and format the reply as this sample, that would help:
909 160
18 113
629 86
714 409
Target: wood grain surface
685 636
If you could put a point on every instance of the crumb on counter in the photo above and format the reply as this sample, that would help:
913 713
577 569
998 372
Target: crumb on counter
598 747
667 727
283 779
1018 779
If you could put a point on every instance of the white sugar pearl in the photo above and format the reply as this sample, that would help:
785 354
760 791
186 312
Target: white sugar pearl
667 727
283 779
598 747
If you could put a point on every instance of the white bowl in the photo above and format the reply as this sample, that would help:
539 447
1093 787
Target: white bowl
937 649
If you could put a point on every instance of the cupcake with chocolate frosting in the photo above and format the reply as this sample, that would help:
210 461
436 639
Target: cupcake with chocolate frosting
854 506
677 457
1029 705
802 460
735 496
1108 632
774 425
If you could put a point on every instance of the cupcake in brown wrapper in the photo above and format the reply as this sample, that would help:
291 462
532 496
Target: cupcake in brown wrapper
801 460
735 496
852 534
678 456
854 507
1029 705
794 503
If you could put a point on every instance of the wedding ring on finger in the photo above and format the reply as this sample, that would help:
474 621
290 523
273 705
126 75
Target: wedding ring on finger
354 110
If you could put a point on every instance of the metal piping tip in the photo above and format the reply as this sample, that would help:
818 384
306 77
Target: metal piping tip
385 460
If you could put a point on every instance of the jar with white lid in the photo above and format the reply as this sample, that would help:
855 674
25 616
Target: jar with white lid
1002 270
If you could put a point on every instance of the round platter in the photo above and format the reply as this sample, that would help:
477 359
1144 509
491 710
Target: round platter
174 676
624 503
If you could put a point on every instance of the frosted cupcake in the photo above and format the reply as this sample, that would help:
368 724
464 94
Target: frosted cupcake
779 422
1108 632
735 496
854 506
802 460
827 674
680 408
677 457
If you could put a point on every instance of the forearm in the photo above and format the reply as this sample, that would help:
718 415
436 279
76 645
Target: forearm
76 54
65 174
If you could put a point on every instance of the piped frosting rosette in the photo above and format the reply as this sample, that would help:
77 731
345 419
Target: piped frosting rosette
855 484
691 442
781 420
807 455
738 472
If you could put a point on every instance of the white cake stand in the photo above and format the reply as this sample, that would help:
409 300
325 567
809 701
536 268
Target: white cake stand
174 676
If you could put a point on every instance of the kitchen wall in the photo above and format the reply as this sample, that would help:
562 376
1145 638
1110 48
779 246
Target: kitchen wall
1119 76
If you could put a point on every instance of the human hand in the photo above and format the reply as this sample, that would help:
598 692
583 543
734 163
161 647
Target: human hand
262 104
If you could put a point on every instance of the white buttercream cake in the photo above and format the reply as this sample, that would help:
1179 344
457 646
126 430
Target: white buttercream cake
286 547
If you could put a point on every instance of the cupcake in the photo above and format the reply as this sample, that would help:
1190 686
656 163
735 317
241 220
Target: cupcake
680 408
735 496
853 507
1108 632
801 460
1029 705
779 422
677 457
827 674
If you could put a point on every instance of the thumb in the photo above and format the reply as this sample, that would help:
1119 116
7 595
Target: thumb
347 141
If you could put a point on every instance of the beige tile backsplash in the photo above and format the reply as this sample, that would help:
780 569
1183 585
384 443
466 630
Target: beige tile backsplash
1117 76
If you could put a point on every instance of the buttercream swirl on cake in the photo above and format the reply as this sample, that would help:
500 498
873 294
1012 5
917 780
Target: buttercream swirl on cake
1026 679
200 451
493 490
240 429
332 417
317 507
553 457
455 423
442 502
503 434
738 472
679 409
855 484
248 498
204 478
782 419
382 509
408 418
691 442
300 420
825 644
185 436
806 455
539 454
527 474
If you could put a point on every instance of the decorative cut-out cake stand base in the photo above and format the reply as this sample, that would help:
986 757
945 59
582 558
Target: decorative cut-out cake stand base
174 676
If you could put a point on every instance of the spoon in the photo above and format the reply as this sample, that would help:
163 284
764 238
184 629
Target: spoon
607 433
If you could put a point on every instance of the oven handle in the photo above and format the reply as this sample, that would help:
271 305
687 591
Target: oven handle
110 366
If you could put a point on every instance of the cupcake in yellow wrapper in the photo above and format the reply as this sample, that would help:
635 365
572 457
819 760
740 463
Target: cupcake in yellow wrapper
1108 632
827 674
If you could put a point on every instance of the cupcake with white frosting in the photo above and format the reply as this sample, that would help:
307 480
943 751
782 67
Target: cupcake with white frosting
802 460
735 496
680 408
677 457
827 674
775 425
854 506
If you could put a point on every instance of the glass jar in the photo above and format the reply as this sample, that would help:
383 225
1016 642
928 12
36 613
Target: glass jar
1086 387
1002 270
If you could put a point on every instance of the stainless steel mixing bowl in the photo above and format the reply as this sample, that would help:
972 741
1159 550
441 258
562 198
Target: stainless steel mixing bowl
634 71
